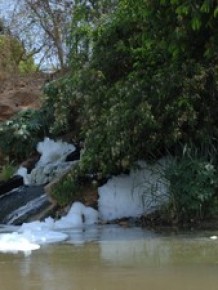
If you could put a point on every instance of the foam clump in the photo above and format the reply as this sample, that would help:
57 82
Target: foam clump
52 151
48 224
44 236
22 171
142 191
78 216
51 163
15 242
31 235
47 173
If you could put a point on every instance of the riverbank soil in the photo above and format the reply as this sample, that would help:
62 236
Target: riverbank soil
18 93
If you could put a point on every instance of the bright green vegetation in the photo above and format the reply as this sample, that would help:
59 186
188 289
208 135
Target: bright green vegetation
7 171
142 83
70 185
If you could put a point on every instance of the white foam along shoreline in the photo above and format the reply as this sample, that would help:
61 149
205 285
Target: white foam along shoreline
143 190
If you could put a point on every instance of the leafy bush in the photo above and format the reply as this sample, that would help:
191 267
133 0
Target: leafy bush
68 188
7 171
61 103
19 135
147 87
193 187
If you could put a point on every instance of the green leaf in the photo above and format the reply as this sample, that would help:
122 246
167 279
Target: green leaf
196 23
215 13
174 2
205 7
182 10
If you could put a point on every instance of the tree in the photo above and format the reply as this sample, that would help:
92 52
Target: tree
43 25
143 79
14 57
86 16
62 95
151 82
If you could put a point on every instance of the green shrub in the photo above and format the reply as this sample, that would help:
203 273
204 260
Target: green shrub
61 102
19 135
7 171
193 187
67 189
145 87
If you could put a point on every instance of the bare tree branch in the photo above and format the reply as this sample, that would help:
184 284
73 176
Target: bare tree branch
49 20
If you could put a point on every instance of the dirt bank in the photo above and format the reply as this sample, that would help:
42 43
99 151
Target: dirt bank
20 92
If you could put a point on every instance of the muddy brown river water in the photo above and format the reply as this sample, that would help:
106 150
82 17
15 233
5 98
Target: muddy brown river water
115 258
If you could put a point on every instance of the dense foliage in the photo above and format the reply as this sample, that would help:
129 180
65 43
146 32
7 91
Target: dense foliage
143 78
149 85
193 184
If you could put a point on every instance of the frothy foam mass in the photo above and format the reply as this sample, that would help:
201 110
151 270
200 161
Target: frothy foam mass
142 191
30 236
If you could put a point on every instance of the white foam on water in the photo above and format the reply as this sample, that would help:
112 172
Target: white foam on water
30 236
15 242
142 191
78 216
44 236
133 195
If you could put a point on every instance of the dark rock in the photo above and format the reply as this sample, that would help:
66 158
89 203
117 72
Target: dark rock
75 155
20 198
14 182
31 162
36 209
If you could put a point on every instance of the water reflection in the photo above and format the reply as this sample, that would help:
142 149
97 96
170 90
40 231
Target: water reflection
104 258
